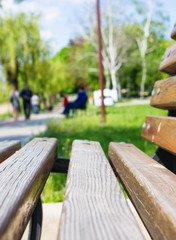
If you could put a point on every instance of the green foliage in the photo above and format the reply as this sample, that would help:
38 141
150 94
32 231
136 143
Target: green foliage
71 67
131 71
123 124
24 56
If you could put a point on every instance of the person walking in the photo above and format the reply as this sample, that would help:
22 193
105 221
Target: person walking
35 103
14 98
26 94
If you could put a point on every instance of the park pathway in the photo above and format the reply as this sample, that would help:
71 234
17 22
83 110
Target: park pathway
24 130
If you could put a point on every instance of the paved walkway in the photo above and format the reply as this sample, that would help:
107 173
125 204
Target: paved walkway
50 225
24 130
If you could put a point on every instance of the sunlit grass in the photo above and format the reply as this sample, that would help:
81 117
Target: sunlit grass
123 124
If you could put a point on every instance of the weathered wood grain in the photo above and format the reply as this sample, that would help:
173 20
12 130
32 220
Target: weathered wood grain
173 34
151 186
22 178
164 94
7 148
168 62
160 131
94 204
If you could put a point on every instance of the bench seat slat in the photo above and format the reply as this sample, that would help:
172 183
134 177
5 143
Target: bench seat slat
23 176
94 204
7 148
151 186
161 131
164 94
168 63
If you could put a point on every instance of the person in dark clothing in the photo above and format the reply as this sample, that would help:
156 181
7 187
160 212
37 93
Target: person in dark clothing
80 102
26 94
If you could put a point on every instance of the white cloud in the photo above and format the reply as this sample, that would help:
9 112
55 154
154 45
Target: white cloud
81 1
49 10
57 17
47 34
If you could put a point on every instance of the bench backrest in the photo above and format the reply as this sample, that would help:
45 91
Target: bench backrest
150 185
161 130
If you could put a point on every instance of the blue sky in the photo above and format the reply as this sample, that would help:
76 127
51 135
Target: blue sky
59 18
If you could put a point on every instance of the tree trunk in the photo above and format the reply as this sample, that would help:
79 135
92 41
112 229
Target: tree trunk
119 94
43 100
128 90
114 80
116 84
12 77
144 72
108 83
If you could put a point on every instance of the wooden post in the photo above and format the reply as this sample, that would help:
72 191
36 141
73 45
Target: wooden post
100 62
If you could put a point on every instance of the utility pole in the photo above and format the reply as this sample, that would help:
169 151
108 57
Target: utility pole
101 84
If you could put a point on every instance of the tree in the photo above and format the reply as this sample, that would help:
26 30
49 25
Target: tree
131 71
146 10
22 50
114 39
115 45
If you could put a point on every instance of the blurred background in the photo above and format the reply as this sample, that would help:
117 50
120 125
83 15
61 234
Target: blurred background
52 45
48 49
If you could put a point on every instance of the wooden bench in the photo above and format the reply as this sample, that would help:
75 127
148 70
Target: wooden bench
22 178
93 195
81 109
94 204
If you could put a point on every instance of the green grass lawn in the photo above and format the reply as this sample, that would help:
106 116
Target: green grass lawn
123 124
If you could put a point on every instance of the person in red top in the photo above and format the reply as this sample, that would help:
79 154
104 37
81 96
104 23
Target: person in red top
65 101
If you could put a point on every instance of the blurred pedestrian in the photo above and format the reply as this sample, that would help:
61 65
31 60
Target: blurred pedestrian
14 98
35 103
79 103
65 101
26 94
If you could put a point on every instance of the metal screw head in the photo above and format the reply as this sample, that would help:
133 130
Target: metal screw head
158 91
148 126
153 92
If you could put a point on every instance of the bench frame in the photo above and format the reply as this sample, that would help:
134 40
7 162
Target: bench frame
35 228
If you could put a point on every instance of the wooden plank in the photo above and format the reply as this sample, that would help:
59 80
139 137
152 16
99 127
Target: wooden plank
23 176
160 131
164 94
7 148
168 62
173 34
151 187
94 204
